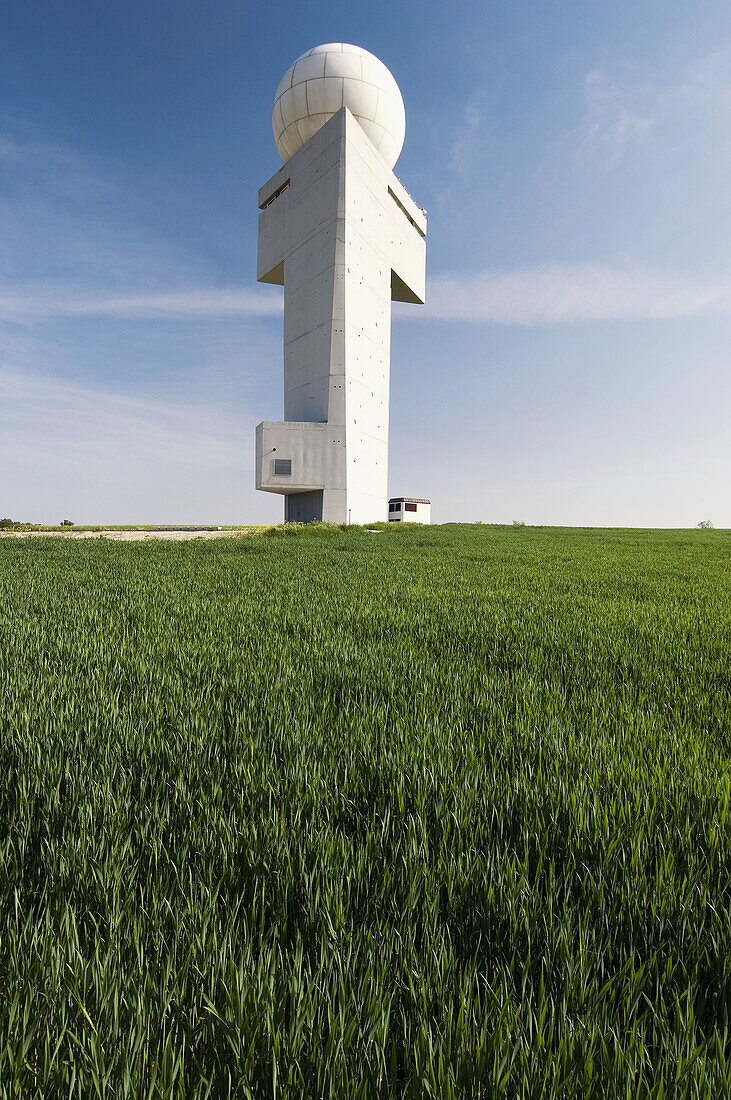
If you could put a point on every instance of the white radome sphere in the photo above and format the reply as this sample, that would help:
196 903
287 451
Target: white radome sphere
327 78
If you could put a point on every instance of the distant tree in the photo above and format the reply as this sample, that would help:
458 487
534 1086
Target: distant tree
518 523
706 525
67 523
14 525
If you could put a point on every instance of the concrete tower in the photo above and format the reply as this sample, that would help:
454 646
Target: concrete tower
343 235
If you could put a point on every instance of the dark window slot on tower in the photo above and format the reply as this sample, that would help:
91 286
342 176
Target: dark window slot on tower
275 195
405 212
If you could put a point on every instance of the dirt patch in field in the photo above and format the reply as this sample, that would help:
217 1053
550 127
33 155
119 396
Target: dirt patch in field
127 536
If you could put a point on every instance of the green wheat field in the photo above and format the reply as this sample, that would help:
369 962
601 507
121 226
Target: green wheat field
432 812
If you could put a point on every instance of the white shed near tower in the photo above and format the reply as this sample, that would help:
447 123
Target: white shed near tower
409 510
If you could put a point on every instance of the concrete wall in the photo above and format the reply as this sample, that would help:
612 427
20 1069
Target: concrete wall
343 235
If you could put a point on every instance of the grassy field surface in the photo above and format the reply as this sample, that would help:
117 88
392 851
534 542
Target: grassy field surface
433 812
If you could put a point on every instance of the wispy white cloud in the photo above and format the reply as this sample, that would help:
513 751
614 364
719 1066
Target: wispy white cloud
36 301
626 110
81 238
61 420
618 114
9 149
570 293
79 229
547 294
468 138
82 449
101 414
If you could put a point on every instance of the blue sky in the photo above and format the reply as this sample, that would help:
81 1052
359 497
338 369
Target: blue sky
571 365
